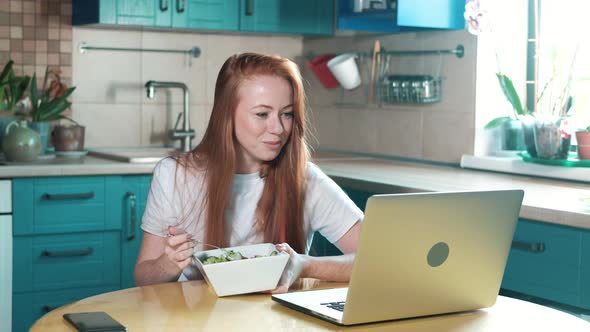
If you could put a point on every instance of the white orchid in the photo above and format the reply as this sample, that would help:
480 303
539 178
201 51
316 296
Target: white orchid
477 17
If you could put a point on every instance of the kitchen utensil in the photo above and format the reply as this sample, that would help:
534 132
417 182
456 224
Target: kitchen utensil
225 252
345 70
319 66
374 63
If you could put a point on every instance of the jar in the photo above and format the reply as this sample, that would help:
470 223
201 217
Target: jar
20 143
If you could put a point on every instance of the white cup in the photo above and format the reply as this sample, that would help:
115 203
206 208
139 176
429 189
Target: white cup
345 70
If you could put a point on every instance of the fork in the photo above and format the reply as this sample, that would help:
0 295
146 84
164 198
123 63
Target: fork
210 245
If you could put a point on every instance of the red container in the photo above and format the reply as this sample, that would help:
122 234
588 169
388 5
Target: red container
319 66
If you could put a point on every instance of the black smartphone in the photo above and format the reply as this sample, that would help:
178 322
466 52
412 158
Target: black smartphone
98 321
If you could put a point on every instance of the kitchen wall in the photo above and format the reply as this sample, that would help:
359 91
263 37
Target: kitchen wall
438 132
111 99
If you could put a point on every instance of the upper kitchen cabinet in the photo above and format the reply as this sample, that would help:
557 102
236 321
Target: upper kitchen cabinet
192 14
314 17
286 16
205 14
400 15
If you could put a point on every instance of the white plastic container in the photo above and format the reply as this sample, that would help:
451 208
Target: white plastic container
245 275
345 70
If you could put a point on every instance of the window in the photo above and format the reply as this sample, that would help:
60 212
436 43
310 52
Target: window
563 53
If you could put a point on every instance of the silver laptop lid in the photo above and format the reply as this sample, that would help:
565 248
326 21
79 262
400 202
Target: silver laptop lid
431 253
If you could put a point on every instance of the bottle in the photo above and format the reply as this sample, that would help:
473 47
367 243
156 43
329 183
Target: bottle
20 143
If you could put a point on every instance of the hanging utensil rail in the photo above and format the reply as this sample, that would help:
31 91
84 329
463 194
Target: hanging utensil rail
195 52
458 51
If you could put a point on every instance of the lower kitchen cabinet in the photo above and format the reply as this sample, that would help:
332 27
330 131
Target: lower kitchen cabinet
550 262
73 237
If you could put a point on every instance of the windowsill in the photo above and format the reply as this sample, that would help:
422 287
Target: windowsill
515 165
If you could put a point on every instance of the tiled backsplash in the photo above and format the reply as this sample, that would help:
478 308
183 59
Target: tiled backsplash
37 34
111 99
439 132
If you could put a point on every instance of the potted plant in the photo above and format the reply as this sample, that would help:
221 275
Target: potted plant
49 103
583 138
12 90
551 103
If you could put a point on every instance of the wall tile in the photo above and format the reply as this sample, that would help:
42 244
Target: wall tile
448 135
157 120
175 67
109 125
399 132
107 76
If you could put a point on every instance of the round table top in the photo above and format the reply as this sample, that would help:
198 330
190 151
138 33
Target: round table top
193 306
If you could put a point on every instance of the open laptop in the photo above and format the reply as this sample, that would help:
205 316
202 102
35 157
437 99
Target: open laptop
421 254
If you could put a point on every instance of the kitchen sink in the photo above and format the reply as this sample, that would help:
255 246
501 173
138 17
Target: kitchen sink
134 155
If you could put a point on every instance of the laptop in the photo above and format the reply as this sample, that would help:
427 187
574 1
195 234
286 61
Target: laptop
421 254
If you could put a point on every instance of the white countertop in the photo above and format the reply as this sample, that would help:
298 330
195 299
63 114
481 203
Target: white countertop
553 201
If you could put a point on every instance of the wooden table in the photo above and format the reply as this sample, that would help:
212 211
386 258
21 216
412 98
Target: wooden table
193 306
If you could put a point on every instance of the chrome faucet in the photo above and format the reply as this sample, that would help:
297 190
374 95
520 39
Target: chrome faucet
186 134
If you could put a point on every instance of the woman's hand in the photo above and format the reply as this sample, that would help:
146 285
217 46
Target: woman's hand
292 270
179 247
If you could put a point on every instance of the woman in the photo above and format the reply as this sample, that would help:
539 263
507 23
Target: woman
248 181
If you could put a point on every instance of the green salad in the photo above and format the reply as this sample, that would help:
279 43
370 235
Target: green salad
231 255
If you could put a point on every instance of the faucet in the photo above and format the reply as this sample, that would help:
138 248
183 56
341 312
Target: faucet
186 134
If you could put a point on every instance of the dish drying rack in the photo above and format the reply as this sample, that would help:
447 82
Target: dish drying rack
391 87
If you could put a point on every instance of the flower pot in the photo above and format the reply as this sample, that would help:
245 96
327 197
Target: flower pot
583 138
68 138
528 128
550 140
513 136
43 129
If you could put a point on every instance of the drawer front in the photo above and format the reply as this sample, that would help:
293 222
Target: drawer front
545 261
63 261
58 205
30 306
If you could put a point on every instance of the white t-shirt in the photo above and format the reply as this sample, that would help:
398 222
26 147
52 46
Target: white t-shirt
175 200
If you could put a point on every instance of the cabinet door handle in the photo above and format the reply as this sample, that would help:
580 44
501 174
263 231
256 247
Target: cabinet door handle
180 6
132 215
163 5
67 253
65 197
249 7
536 247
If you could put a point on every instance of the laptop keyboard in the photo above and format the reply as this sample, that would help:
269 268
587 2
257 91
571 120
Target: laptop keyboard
335 305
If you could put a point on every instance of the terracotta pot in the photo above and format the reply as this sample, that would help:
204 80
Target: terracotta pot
583 138
68 138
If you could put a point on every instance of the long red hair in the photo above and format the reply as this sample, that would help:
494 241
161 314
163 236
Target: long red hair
279 213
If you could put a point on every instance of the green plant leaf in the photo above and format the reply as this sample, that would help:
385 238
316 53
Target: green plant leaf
510 93
34 99
5 75
497 122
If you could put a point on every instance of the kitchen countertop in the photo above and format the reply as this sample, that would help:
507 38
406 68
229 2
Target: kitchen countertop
552 201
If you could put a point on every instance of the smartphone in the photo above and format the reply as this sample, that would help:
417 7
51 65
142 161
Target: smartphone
98 321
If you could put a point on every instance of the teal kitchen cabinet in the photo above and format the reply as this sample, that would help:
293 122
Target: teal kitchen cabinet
206 14
193 14
402 15
73 237
550 262
126 203
311 17
315 17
